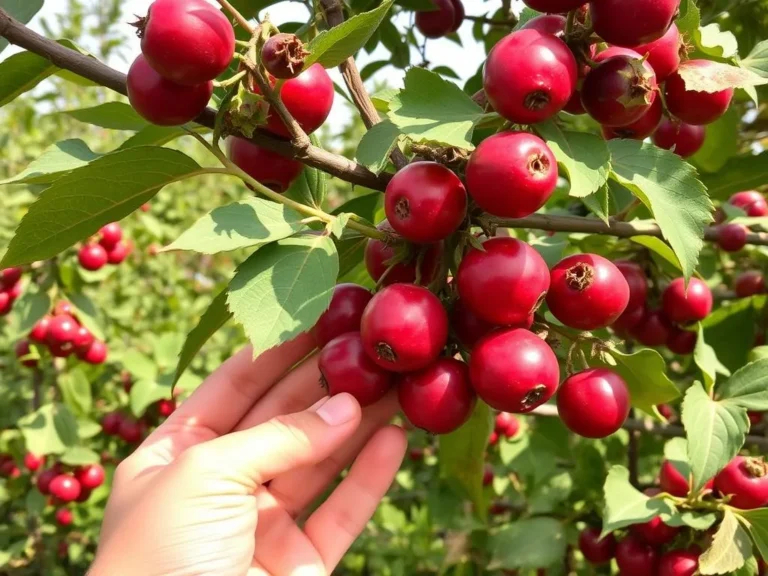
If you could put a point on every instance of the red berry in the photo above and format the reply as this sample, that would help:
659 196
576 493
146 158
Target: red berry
416 454
596 551
283 56
731 237
92 257
438 398
504 421
144 207
308 98
751 201
110 423
639 129
64 517
686 139
91 476
514 370
32 462
62 329
130 430
9 277
632 22
681 341
345 367
679 563
755 418
468 326
612 51
512 174
188 42
655 532
110 234
95 354
593 403
746 480
23 350
425 202
44 480
529 76
83 338
664 53
65 487
749 283
666 411
6 303
14 291
39 332
553 5
343 314
619 91
379 253
692 106
118 253
553 24
504 283
687 306
488 475
574 105
637 282
276 172
635 557
404 328
653 329
161 101
166 407
493 439
459 13
587 292
628 321
439 22
8 469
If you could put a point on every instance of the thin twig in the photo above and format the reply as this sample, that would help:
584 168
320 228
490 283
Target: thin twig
237 16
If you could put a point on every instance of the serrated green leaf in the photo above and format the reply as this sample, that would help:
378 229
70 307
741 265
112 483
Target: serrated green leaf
21 10
375 146
382 98
281 290
660 248
76 205
626 505
31 306
715 42
689 18
747 387
338 224
757 524
739 173
730 330
757 61
139 365
110 115
718 76
526 16
695 519
729 550
87 313
309 188
669 188
79 456
715 432
432 109
598 203
49 430
55 160
160 135
76 391
529 543
706 359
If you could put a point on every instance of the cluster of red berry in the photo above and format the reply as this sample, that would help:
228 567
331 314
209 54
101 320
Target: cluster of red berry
732 237
132 430
110 249
444 19
10 288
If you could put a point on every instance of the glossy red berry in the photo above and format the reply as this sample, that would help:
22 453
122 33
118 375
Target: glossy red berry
628 321
64 517
276 172
514 370
746 481
92 257
686 306
404 328
468 327
343 314
91 476
593 403
283 56
731 237
65 487
663 54
653 329
639 129
691 106
130 430
438 398
619 91
632 22
95 354
511 174
679 563
493 439
488 475
161 101
655 532
9 277
505 283
547 24
672 481
23 350
62 329
681 341
110 423
188 42
425 202
44 480
345 367
459 13
553 5
33 462
439 22
637 282
166 407
597 551
378 254
612 51
529 76
83 338
118 253
749 283
110 235
6 303
751 201
635 557
683 139
587 292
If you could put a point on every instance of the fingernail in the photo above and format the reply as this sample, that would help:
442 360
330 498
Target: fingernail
338 409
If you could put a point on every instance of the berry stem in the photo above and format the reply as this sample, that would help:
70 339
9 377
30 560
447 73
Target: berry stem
569 23
236 15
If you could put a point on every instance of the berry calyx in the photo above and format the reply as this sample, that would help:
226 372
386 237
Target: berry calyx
512 174
514 370
635 557
686 306
91 476
732 237
692 106
529 76
345 367
639 129
597 551
663 54
593 403
92 257
655 532
751 201
637 282
425 202
439 22
632 22
438 398
404 328
343 314
65 487
683 139
379 255
749 283
746 481
679 562
283 55
110 234
276 172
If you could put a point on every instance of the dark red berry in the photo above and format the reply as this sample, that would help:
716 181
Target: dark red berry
188 42
692 106
511 174
343 314
637 282
161 101
166 407
62 329
83 338
628 321
6 303
110 423
505 282
468 326
404 328
732 237
587 292
632 22
612 51
438 398
9 277
345 367
65 487
504 422
655 532
686 306
283 56
635 557
755 418
639 129
488 475
425 202
131 430
547 24
92 257
44 480
14 291
749 283
110 234
597 551
663 54
746 481
679 562
681 341
118 253
593 403
653 329
514 370
23 350
64 517
276 172
529 76
684 139
378 254
91 476
672 481
439 22
458 14
751 201
33 462
95 354
553 5
416 454
665 410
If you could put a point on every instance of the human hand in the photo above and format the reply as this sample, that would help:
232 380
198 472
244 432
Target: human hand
192 498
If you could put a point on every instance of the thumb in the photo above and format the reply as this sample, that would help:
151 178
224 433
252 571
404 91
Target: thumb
283 443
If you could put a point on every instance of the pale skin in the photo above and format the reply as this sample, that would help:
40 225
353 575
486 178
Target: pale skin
192 499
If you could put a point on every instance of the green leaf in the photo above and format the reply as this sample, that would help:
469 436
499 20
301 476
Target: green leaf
689 18
87 313
461 456
715 42
431 109
748 387
669 188
210 322
110 115
757 61
76 205
729 550
739 173
706 359
35 503
598 203
153 135
695 519
526 16
718 76
364 206
715 432
31 307
730 330
720 143
79 456
331 47
376 145
76 391
144 393
252 222
281 290
55 160
660 248
585 157
21 10
309 188
49 430
530 543
626 505
758 353
547 495
139 365
756 522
